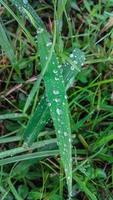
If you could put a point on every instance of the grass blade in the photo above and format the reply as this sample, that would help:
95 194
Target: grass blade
84 188
28 156
37 122
13 190
20 22
19 150
102 141
55 90
7 47
12 116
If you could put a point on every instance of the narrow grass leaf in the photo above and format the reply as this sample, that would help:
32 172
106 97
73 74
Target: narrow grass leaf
84 188
22 149
20 22
9 139
42 154
13 190
37 122
7 47
12 116
103 141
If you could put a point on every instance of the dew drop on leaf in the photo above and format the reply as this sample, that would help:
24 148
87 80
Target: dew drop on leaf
71 55
25 1
55 92
59 66
57 100
55 71
49 104
59 112
65 134
49 44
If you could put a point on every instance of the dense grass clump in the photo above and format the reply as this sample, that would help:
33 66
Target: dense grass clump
56 100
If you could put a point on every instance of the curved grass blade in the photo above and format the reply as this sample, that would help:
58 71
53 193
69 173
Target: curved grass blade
7 47
42 115
102 141
22 149
10 139
28 156
14 191
37 122
84 188
28 12
12 116
20 22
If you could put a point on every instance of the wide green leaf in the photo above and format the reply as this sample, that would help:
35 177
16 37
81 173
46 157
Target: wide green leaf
41 115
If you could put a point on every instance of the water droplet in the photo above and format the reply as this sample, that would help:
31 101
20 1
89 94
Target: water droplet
55 92
69 140
25 1
49 104
82 64
68 178
75 62
56 78
55 71
71 55
65 96
46 57
49 44
59 112
72 67
65 134
59 66
40 30
57 100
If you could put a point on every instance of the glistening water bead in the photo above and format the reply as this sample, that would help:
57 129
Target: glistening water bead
56 78
49 104
48 44
65 134
57 100
55 92
25 1
72 67
55 71
40 30
71 55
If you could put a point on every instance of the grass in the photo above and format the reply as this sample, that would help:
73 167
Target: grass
56 100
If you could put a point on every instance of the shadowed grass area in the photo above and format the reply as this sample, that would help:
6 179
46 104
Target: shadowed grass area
56 100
